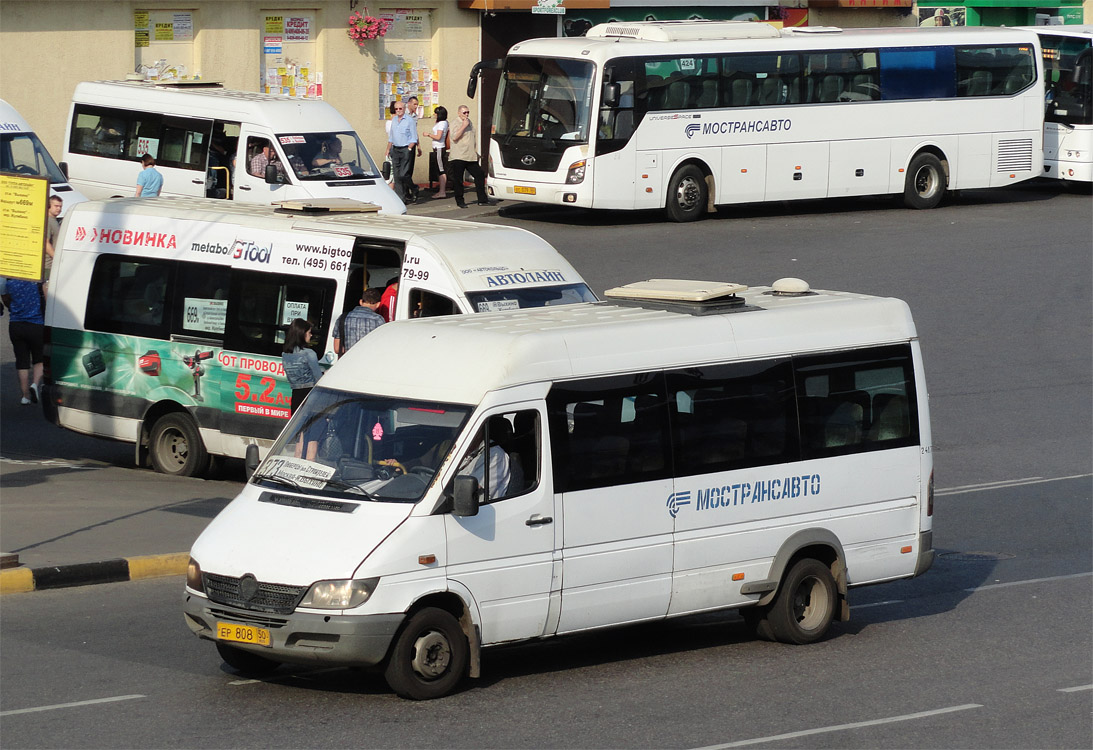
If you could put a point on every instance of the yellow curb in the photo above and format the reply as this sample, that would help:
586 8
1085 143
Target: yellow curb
155 566
16 581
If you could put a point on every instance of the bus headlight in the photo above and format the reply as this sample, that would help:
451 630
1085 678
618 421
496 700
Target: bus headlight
193 576
345 594
575 176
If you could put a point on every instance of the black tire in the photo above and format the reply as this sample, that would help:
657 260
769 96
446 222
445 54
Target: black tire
926 182
804 607
244 662
686 194
176 448
429 657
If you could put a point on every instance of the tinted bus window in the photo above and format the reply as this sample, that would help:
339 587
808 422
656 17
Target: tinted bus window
129 296
917 73
262 305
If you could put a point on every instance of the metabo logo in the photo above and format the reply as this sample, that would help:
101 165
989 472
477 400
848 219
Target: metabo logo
252 251
691 129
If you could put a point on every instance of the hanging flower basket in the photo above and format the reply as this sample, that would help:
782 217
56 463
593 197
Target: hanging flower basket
363 28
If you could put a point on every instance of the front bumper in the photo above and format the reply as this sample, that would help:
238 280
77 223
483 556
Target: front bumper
298 638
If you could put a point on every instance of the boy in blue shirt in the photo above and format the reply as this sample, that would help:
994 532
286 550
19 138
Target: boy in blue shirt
149 181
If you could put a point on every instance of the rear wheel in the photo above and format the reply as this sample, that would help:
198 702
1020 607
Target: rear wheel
245 662
926 182
176 448
804 607
686 194
429 657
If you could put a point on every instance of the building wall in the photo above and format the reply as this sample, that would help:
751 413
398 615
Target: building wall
48 46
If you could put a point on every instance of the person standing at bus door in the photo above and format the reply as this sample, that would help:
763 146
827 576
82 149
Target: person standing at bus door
411 111
438 154
354 325
149 181
53 226
387 301
300 362
403 141
26 327
464 158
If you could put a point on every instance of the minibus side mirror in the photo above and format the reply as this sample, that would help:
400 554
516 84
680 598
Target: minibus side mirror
250 463
465 496
64 168
611 94
273 175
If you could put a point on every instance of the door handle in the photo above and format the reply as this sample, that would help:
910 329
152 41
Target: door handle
538 520
244 187
198 182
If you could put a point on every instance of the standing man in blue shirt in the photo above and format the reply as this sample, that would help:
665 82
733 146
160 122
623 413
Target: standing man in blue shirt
25 327
149 181
354 325
403 141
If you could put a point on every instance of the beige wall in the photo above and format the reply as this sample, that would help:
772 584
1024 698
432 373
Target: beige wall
48 46
859 18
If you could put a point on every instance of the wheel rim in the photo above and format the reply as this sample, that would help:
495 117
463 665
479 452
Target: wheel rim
432 655
810 604
688 192
926 182
172 448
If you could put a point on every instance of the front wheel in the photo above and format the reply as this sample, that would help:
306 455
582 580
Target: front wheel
176 448
686 194
804 607
429 657
926 182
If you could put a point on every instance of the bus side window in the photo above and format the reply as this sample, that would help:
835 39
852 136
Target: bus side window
129 296
261 306
425 304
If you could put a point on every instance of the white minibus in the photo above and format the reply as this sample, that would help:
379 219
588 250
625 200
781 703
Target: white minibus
683 447
22 153
689 115
209 142
167 317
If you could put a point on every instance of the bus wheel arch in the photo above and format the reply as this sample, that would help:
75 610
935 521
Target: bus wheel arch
432 651
169 438
690 191
927 179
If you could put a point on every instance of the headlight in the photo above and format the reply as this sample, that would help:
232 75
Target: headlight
193 576
339 594
575 176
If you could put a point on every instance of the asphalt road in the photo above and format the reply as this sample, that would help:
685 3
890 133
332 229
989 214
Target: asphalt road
991 649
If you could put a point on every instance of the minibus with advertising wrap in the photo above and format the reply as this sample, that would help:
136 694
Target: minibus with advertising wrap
208 141
681 448
167 317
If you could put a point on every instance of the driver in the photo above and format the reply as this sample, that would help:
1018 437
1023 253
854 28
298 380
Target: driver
330 153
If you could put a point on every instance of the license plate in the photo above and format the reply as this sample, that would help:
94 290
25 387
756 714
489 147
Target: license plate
523 190
230 631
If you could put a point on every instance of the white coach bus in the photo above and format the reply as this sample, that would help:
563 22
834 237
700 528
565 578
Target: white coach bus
690 115
1068 115
771 451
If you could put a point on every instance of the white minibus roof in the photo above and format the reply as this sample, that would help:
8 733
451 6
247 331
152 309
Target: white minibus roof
287 114
460 359
11 121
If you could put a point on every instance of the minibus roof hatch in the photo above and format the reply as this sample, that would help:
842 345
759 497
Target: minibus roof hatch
325 206
681 295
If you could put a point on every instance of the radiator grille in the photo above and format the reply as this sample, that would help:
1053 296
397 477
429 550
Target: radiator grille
270 597
262 621
1015 155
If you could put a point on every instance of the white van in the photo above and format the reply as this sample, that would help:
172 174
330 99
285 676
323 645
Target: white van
208 142
648 458
22 152
168 316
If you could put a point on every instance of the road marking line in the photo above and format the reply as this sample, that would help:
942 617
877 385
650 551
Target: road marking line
1076 689
842 727
71 705
877 604
291 676
1031 580
966 488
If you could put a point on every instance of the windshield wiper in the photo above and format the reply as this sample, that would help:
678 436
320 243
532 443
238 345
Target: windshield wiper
276 479
349 489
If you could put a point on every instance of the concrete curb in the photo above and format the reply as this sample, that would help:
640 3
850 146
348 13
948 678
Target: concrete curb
20 580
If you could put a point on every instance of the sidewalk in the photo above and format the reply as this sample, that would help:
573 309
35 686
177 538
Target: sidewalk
75 510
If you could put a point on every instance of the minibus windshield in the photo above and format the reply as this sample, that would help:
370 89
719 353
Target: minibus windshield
362 446
23 153
327 156
520 298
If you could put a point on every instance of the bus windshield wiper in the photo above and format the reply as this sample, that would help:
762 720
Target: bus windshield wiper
277 479
349 489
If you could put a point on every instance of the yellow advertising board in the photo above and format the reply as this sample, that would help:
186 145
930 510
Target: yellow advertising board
24 202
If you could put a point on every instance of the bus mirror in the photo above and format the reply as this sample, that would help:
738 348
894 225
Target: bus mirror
465 496
472 84
64 168
250 463
611 94
273 176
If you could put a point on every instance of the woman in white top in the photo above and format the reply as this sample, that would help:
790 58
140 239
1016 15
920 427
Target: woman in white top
438 162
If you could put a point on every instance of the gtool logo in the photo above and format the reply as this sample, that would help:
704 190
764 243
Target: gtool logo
677 500
693 128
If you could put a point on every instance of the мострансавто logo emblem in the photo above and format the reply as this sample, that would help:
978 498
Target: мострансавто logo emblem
745 493
733 127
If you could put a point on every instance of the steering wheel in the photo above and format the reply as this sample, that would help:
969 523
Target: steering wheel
24 169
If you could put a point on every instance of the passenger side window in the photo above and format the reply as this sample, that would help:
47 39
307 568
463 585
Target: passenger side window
917 73
101 132
609 431
261 305
203 292
514 455
129 296
994 71
425 304
856 401
733 416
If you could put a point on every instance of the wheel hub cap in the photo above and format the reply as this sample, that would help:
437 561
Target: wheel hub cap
432 655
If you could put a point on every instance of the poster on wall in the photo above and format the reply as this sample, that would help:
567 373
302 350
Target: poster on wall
953 16
288 46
